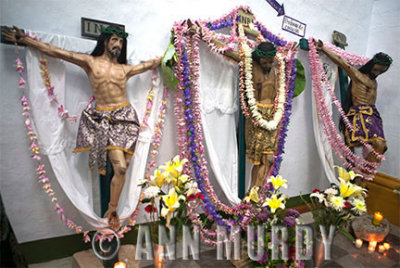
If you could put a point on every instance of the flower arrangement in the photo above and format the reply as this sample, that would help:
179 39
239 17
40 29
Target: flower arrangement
338 204
272 211
170 195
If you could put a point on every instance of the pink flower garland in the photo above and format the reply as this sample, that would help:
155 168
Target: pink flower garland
150 97
157 134
34 147
352 59
330 129
63 113
229 41
194 56
208 36
178 104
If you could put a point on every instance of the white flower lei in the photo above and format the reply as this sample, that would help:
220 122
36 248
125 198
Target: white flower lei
248 67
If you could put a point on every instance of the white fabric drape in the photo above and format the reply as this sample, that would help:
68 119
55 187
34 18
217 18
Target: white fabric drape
321 140
218 95
57 137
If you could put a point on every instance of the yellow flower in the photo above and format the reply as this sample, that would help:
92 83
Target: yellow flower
346 175
180 181
348 189
174 168
278 182
171 202
253 195
337 202
158 178
274 202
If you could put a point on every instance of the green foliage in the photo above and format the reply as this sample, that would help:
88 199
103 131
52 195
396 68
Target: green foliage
169 59
300 81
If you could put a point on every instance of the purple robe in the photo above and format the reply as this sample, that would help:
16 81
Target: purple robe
367 125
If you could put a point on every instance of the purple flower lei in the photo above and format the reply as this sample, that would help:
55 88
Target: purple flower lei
219 25
285 122
192 144
270 36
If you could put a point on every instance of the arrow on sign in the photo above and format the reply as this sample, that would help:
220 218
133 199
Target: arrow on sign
277 7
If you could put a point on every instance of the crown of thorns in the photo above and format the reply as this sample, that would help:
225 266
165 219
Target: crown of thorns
388 62
112 30
264 54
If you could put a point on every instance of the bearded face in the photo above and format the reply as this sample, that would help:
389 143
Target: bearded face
266 64
377 69
114 45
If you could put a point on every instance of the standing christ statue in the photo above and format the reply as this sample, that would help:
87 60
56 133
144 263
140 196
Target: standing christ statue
112 125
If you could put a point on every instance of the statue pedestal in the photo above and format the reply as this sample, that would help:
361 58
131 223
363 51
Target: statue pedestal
86 258
365 230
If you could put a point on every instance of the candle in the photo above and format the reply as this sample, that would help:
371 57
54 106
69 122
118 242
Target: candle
377 219
371 246
120 264
371 249
381 248
358 243
386 246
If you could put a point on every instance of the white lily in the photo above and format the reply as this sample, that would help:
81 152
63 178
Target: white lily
151 192
320 196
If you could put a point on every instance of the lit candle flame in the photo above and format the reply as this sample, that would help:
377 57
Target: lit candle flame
358 243
120 264
377 218
371 246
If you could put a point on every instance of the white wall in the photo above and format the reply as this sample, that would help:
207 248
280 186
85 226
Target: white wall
384 36
149 24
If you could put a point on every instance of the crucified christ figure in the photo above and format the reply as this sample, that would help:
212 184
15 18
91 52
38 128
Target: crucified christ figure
360 103
112 125
261 143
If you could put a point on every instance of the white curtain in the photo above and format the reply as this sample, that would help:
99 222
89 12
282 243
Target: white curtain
321 140
219 102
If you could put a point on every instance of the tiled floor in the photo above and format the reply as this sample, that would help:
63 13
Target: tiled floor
344 254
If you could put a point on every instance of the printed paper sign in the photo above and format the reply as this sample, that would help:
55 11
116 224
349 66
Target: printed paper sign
293 26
